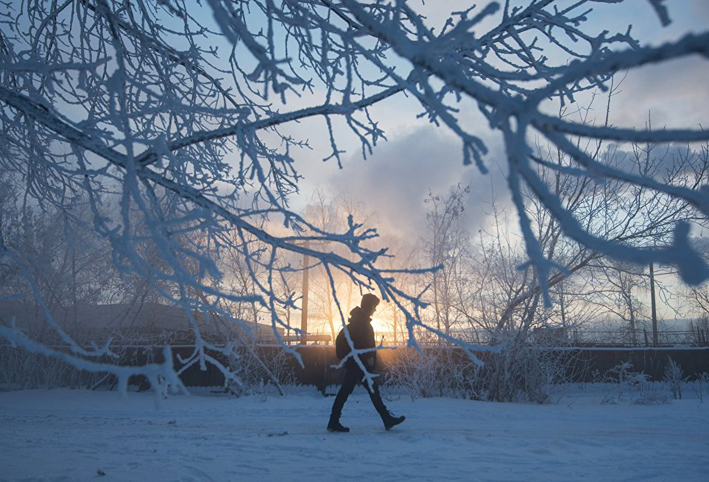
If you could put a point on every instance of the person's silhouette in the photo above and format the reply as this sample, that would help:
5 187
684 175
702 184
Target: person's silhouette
362 335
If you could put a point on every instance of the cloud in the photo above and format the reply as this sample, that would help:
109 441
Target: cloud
701 10
398 177
674 94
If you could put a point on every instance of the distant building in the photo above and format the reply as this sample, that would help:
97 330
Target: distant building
146 323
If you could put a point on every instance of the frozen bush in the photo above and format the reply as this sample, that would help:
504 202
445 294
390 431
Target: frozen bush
674 376
256 373
625 378
518 373
437 373
701 382
23 370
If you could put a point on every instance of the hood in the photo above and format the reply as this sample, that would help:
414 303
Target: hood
358 315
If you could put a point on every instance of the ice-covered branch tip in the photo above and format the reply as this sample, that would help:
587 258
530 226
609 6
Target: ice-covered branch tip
150 156
661 11
614 62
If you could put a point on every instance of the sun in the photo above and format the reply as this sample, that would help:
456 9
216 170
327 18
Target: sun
379 325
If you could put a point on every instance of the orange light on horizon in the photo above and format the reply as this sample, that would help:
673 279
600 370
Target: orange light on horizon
379 325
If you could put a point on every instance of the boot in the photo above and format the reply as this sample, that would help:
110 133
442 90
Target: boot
391 421
334 424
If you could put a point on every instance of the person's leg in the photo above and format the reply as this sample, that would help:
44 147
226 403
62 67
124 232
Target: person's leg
375 397
388 419
352 377
348 385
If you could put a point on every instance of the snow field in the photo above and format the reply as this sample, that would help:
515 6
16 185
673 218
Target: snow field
76 435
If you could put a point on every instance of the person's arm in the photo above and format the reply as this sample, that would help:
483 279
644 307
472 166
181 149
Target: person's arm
371 343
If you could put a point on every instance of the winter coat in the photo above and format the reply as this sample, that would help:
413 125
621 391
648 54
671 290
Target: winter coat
362 334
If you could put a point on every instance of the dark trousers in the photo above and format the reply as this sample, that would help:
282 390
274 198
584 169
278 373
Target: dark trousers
354 376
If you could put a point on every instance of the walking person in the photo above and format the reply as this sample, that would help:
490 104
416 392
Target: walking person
362 336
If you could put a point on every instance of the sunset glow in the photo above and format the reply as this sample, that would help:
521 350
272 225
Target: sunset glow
379 325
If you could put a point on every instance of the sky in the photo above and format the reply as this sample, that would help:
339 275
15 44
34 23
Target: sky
419 158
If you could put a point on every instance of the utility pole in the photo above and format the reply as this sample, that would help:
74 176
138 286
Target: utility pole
304 313
652 305
563 307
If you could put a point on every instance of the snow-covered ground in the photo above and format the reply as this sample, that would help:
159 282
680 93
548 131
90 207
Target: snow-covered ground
79 435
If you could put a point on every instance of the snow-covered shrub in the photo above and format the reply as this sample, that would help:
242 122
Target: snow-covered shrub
255 373
22 370
701 382
674 376
518 373
437 373
523 372
651 398
624 379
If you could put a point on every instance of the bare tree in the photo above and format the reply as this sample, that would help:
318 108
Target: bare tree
323 213
401 255
445 246
619 296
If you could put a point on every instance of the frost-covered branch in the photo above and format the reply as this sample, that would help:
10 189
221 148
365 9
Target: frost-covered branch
170 125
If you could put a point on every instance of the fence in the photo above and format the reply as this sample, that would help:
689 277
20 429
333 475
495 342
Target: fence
319 363
579 337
